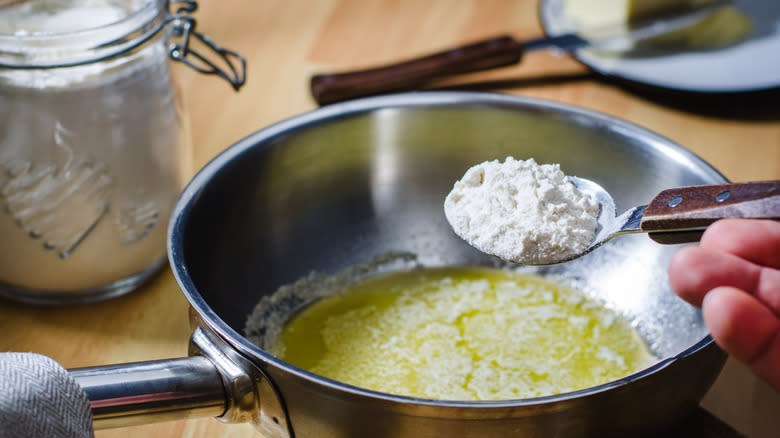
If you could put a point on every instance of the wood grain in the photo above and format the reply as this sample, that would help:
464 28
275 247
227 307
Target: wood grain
692 209
285 42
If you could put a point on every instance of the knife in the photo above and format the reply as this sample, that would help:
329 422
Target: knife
494 52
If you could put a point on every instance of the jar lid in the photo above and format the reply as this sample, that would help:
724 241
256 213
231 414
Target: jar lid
25 17
44 34
50 33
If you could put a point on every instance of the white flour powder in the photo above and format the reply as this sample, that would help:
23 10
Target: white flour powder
521 211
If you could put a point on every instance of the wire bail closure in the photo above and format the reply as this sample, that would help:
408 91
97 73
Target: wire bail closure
183 28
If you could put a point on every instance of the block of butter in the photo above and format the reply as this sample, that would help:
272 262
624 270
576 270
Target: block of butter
723 28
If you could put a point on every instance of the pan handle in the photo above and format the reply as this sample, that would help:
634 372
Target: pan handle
145 392
216 380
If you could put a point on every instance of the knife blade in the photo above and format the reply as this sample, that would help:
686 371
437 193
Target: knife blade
492 53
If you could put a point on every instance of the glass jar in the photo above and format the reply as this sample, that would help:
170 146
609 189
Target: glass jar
93 142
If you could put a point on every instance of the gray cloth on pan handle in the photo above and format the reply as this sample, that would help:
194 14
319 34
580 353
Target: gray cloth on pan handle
40 399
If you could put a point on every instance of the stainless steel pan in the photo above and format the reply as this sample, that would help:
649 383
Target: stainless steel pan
339 185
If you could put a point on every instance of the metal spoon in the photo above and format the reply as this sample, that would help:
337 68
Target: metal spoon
681 214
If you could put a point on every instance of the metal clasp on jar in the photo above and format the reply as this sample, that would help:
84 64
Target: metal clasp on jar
184 29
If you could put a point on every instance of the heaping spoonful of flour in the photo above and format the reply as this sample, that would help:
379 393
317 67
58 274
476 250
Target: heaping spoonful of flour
522 212
533 214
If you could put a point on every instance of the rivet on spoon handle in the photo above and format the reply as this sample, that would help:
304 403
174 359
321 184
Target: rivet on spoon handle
689 210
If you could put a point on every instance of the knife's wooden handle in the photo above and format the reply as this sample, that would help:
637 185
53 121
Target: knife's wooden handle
482 55
675 215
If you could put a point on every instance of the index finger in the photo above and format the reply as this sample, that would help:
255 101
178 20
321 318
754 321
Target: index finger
757 240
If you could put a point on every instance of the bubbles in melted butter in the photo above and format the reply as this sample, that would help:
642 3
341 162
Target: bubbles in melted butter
462 333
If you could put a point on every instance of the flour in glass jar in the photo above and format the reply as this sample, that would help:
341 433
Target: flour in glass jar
90 155
521 211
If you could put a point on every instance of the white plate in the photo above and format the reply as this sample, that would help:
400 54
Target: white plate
751 65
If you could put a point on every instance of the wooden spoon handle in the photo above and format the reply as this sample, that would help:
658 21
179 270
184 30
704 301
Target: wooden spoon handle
680 214
482 55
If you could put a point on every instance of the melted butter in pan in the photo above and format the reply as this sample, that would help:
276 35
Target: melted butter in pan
462 333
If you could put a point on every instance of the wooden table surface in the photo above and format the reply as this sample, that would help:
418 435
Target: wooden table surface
285 41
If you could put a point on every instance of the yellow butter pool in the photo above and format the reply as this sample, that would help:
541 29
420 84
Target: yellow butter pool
462 334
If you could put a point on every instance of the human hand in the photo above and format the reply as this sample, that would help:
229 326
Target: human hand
734 276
